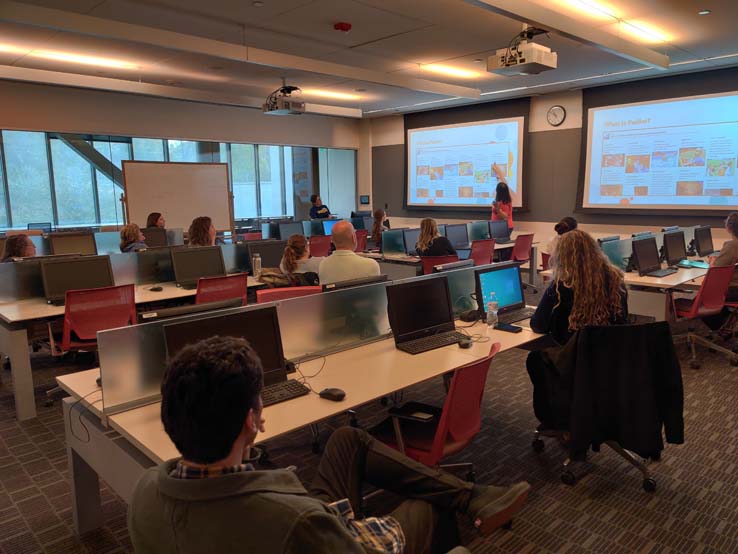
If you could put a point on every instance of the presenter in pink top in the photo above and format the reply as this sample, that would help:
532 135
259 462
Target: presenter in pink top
502 207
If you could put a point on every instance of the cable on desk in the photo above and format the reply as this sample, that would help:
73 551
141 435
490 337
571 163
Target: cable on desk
476 337
306 377
82 423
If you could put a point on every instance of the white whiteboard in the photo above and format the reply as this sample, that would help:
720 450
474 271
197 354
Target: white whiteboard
180 191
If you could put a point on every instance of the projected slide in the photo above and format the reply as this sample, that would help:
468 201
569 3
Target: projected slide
451 165
676 154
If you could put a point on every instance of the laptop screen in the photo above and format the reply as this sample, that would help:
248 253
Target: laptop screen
73 243
411 239
647 255
703 239
499 230
457 235
259 326
328 225
191 263
419 308
505 282
286 230
62 274
393 242
674 247
155 237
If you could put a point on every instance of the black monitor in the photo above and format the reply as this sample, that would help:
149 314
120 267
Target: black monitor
361 213
507 284
440 268
156 237
270 251
608 239
499 230
419 308
411 236
458 235
270 230
442 229
73 243
675 249
368 223
358 223
74 273
259 326
312 228
479 230
327 287
646 255
670 229
177 311
703 240
286 230
642 235
191 263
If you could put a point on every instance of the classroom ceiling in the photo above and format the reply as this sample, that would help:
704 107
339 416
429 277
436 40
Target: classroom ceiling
237 51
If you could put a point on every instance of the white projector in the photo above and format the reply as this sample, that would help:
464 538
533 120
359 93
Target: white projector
527 59
283 106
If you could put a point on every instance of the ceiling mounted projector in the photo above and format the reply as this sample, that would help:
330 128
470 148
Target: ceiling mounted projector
280 102
522 57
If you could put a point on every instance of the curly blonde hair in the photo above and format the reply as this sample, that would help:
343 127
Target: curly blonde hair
579 264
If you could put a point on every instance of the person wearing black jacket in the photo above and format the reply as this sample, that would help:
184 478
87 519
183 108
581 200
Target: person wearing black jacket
431 243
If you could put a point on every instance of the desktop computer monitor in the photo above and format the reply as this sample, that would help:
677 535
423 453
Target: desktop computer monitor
670 229
393 242
499 230
259 326
270 230
328 225
607 239
271 251
674 247
419 308
286 230
479 230
646 255
155 237
312 228
73 243
358 223
507 284
442 229
703 240
368 223
458 235
191 263
74 273
642 235
361 213
327 287
411 236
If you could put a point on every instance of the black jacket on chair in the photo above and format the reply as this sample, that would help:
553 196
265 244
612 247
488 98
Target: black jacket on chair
619 382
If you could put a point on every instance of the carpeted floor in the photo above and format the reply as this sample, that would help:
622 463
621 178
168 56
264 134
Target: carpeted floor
695 509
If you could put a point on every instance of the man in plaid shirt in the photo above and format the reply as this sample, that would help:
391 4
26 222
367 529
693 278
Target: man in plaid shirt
211 501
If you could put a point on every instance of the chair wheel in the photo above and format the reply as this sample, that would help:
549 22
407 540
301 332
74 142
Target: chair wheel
538 445
649 484
694 365
568 478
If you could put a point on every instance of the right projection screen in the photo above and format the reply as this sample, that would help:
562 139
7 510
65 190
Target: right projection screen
670 154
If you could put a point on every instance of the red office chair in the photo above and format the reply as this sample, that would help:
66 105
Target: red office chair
251 236
482 251
283 293
450 429
320 246
710 300
362 236
429 262
545 260
215 289
521 253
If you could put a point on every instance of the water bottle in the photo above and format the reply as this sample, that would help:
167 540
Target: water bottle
256 265
492 307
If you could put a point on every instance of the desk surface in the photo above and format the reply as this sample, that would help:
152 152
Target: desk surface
681 277
364 373
38 308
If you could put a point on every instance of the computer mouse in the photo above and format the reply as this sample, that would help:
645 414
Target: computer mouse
465 343
156 289
333 394
99 381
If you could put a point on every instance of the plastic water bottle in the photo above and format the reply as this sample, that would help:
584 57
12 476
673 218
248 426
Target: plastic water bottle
492 307
256 265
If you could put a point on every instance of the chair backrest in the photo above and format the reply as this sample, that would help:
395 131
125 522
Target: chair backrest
362 235
215 289
283 293
545 259
429 262
521 248
88 311
482 251
461 416
251 236
710 298
320 246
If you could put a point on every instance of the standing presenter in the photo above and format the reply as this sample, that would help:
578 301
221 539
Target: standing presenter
502 207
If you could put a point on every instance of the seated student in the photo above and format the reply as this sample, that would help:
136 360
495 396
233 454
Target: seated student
18 246
201 232
378 227
296 258
564 226
132 239
319 210
502 207
729 254
431 242
344 264
213 500
155 219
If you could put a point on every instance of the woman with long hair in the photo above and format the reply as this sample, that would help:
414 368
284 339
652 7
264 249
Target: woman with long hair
296 258
564 226
201 232
132 239
18 246
502 207
155 219
380 216
430 242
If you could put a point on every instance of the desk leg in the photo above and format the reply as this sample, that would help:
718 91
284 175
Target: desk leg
533 264
15 346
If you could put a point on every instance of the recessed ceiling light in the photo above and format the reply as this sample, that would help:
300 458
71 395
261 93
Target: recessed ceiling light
82 59
257 4
704 12
450 71
478 60
330 94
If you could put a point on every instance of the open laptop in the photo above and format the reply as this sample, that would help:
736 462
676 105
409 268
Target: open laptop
675 250
60 274
411 237
421 315
259 326
191 263
703 241
499 231
505 281
647 259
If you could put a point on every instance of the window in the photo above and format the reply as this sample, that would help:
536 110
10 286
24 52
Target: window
3 204
271 190
75 196
148 150
29 185
108 192
338 180
243 179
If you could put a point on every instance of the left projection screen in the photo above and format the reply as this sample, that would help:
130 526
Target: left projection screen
451 165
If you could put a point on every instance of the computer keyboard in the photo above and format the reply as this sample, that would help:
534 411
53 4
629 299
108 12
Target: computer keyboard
504 241
432 342
516 315
279 392
662 272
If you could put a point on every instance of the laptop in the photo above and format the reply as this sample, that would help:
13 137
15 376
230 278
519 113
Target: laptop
505 281
458 236
260 327
703 241
191 263
60 274
675 250
411 237
499 231
647 259
421 315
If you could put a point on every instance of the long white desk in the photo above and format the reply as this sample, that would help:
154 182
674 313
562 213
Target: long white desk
16 317
365 373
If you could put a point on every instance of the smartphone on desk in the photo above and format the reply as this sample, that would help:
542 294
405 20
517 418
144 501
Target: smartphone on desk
508 328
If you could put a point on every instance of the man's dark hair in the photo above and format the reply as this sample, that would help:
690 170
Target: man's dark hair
208 389
313 198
